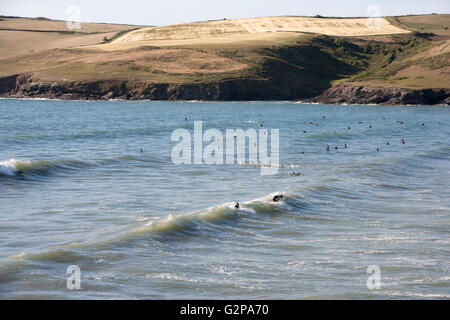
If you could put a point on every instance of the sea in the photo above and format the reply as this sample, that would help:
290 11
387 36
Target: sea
93 205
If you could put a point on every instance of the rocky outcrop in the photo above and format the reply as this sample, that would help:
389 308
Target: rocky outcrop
8 84
226 90
348 93
25 85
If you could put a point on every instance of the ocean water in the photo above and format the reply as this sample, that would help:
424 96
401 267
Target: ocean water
76 190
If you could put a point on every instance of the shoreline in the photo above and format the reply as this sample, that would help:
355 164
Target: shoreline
25 87
26 98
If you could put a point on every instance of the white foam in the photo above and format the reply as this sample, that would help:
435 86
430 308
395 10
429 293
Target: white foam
12 166
8 167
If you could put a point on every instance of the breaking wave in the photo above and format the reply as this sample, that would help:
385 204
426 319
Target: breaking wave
15 167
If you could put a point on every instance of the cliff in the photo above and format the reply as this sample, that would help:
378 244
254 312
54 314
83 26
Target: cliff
360 94
398 69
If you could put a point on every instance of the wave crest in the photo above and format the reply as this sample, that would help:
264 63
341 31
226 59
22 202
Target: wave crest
13 167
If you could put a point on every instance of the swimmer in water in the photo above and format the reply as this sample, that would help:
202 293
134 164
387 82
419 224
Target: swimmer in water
236 206
277 198
328 148
141 150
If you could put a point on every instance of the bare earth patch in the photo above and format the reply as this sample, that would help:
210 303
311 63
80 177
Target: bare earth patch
250 29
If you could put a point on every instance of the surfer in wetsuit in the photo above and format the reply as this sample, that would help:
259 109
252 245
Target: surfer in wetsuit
277 198
236 206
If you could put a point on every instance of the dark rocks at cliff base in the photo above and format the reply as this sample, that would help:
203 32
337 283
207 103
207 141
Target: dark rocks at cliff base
25 85
358 94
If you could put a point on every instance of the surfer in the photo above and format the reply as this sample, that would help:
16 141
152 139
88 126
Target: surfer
277 198
141 150
236 206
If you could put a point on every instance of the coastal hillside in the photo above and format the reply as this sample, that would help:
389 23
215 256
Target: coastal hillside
251 29
402 60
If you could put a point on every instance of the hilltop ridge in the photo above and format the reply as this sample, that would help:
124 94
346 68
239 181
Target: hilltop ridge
404 61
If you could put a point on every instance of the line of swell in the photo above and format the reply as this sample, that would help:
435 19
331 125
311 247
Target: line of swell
197 223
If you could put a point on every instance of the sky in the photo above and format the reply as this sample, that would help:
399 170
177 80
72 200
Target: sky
164 12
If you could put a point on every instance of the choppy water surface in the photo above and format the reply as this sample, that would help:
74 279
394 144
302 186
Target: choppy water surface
76 190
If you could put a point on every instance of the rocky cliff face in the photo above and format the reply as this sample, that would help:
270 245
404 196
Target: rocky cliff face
228 90
358 94
235 89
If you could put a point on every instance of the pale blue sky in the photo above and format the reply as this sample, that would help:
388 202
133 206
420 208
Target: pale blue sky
162 12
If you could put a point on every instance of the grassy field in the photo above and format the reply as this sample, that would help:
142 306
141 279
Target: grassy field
409 51
415 64
42 24
438 24
23 35
145 63
234 41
